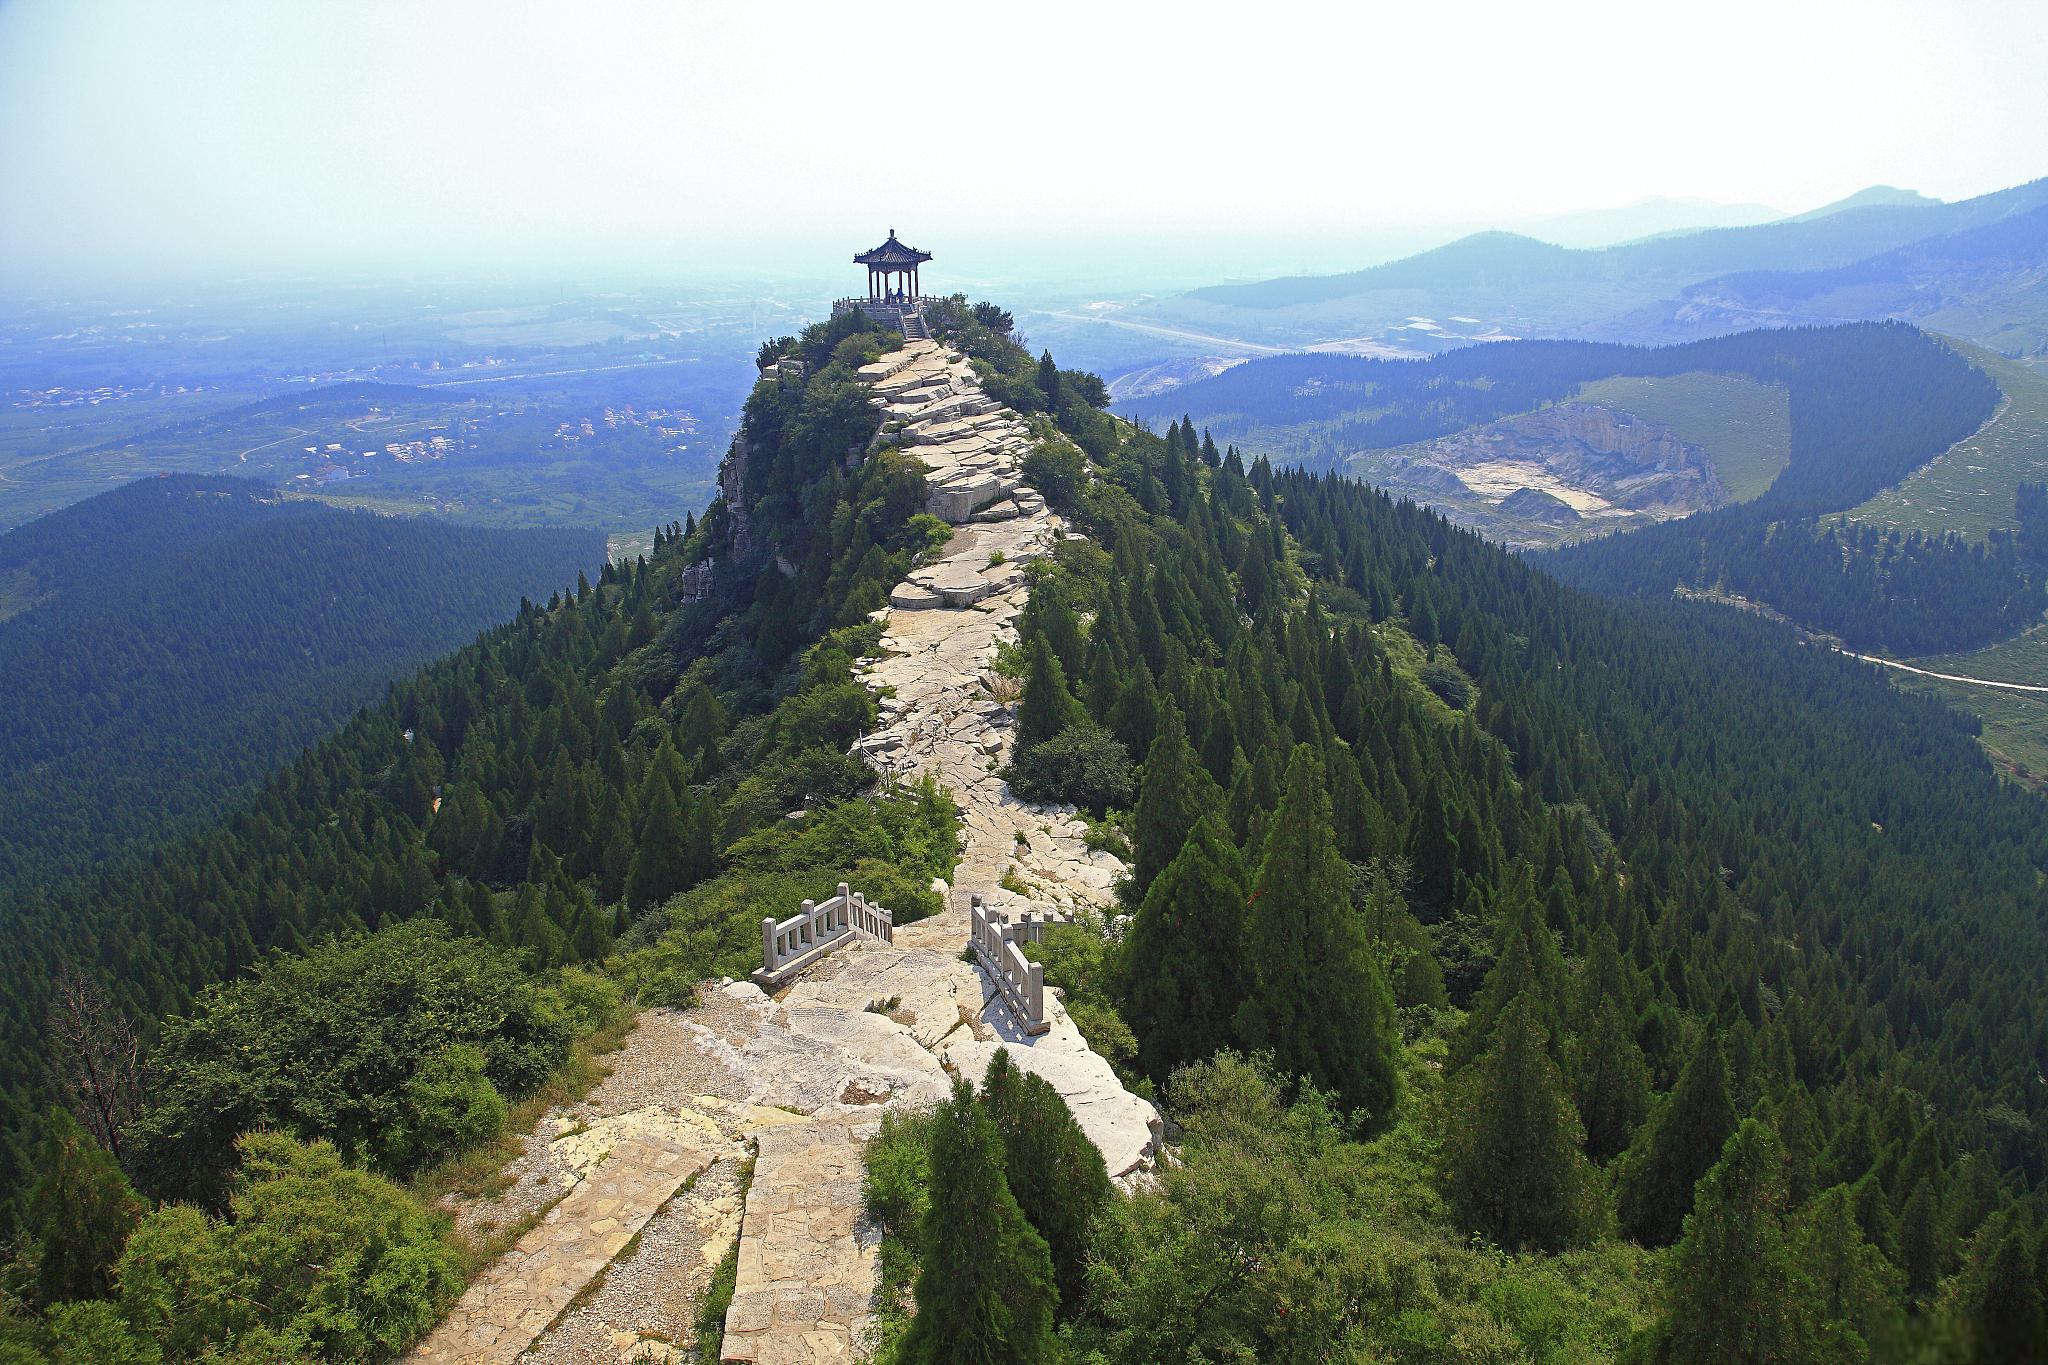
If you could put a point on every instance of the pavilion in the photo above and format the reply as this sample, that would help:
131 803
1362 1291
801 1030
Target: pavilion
892 260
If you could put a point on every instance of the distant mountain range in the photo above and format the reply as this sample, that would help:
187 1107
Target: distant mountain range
1973 266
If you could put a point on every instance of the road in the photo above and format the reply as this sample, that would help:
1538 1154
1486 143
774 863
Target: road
1946 677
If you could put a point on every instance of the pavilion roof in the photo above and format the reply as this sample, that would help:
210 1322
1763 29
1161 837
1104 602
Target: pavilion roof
892 253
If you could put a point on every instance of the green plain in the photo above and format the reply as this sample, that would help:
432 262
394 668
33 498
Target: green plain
1744 427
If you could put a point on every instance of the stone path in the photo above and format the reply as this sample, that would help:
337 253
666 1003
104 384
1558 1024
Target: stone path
904 1017
800 1079
526 1289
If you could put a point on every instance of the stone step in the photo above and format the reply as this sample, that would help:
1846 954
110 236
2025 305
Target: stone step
805 1286
507 1307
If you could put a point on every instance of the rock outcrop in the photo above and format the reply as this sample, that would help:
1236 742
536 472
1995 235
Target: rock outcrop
878 1024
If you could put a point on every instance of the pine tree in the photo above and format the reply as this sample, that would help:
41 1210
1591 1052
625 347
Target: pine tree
1526 961
532 929
1516 1174
2004 1317
1177 793
1920 1242
1049 380
1853 1287
1183 958
1611 1083
1317 999
1056 1174
1734 1291
985 1291
1681 1145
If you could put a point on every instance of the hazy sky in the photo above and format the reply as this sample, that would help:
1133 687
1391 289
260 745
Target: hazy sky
179 133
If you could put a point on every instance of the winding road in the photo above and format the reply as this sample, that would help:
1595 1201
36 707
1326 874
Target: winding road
1946 677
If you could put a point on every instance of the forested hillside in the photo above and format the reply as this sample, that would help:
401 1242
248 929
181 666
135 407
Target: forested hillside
167 644
1596 926
1529 975
664 749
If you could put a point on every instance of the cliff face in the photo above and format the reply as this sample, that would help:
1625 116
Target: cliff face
1539 477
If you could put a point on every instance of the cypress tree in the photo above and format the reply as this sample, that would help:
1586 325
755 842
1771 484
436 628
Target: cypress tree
661 862
1047 707
1681 1145
1734 1291
1516 1173
1176 794
1317 999
1056 1174
1183 959
985 1291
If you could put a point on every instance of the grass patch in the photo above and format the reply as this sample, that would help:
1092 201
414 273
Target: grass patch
1970 489
710 1321
2015 723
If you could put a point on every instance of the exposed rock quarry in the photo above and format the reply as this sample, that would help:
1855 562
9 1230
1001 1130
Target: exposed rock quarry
1564 470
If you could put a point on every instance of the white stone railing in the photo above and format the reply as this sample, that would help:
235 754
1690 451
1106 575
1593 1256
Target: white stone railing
1021 981
788 946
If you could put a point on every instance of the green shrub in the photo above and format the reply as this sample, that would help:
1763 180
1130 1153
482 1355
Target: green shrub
453 1107
311 1252
325 1046
1083 765
1059 471
1448 682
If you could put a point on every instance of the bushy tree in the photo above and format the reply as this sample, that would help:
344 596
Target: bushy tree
1316 999
985 1292
1083 765
328 1046
339 1258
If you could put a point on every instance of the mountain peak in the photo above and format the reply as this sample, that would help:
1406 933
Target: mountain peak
1874 196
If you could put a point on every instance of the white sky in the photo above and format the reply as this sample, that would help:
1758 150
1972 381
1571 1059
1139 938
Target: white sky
224 133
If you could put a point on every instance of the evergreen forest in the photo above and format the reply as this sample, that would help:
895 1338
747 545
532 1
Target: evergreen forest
170 643
1527 974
